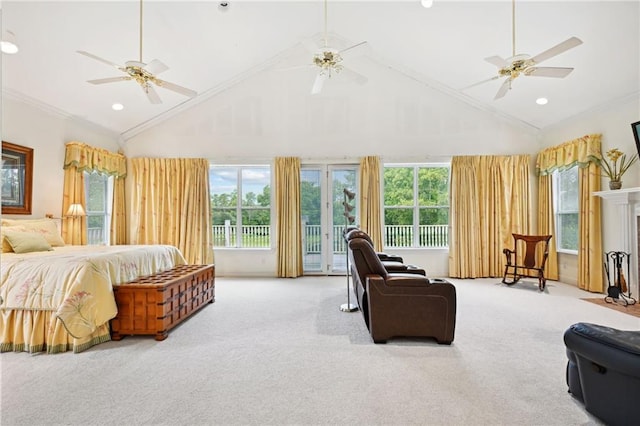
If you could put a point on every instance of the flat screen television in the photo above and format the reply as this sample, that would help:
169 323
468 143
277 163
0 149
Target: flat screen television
635 127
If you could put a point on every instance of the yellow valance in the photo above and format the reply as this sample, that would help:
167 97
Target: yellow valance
579 152
88 158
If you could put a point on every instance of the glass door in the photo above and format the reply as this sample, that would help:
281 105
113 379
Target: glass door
323 216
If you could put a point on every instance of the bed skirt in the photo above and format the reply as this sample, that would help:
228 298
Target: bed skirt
40 331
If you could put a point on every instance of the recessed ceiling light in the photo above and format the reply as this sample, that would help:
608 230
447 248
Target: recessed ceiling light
542 101
117 107
427 3
8 44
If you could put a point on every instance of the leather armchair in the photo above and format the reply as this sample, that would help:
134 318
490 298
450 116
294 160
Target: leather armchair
603 370
400 304
392 263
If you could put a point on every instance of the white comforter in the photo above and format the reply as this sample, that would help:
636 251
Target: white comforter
76 282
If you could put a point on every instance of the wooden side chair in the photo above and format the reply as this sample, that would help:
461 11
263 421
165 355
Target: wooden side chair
527 259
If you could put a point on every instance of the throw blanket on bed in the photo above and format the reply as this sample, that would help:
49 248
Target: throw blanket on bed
75 282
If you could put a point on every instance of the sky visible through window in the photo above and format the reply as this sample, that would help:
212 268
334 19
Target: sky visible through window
223 180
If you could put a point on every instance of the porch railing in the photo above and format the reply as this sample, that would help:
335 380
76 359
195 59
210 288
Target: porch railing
259 236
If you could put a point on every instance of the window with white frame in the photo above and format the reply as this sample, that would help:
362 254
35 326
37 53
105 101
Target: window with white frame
99 196
416 205
565 190
241 221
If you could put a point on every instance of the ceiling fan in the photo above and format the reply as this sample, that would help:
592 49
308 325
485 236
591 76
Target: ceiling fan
526 65
142 73
329 60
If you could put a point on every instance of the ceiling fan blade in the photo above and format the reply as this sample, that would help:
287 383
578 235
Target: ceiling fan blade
109 80
318 83
97 58
175 88
155 67
503 89
151 93
557 49
481 82
354 76
356 49
497 61
556 72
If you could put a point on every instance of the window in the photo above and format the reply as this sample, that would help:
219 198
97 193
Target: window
243 221
416 205
99 196
565 189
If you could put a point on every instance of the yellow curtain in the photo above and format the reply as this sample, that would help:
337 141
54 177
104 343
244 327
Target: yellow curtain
118 213
288 217
74 230
171 204
590 256
546 223
370 190
80 158
490 200
581 152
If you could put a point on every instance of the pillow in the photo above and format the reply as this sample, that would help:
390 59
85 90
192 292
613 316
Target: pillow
6 247
26 242
46 227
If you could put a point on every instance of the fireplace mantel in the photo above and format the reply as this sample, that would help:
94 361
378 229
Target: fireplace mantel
621 196
627 201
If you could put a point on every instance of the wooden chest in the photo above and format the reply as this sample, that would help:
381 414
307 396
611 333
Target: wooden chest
154 304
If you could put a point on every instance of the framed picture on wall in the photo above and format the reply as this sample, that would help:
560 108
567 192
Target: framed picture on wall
17 178
635 127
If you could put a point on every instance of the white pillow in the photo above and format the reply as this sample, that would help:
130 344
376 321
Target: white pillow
46 227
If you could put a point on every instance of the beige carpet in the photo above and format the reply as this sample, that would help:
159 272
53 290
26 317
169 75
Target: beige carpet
273 352
629 309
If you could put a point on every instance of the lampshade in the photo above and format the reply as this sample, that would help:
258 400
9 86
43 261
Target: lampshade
8 44
75 210
427 3
349 194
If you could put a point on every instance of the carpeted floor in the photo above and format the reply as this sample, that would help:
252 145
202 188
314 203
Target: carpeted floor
629 309
280 352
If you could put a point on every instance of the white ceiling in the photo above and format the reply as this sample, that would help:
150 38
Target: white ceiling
208 49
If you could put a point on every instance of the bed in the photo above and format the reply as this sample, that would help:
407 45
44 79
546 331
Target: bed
62 298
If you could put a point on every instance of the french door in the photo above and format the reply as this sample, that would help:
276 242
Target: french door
323 216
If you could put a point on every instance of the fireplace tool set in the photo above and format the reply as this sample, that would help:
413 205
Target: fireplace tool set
618 291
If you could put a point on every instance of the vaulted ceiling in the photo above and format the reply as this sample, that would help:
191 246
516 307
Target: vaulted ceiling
208 48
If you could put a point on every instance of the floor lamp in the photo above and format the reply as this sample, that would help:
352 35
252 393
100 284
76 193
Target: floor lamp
348 219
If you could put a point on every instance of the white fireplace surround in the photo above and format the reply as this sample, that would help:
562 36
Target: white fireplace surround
627 202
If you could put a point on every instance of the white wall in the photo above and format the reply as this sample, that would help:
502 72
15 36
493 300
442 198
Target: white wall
47 131
614 123
272 114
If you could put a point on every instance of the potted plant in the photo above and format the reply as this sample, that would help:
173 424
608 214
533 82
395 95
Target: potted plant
616 166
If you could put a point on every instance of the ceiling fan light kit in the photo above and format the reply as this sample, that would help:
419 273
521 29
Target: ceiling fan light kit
329 60
145 74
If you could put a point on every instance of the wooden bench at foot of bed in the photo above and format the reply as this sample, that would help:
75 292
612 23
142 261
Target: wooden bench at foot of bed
154 304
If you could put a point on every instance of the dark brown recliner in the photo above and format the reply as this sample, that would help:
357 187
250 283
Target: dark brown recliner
400 304
391 262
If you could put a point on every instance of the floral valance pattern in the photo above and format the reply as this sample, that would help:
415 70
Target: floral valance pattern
88 158
579 152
